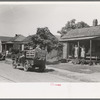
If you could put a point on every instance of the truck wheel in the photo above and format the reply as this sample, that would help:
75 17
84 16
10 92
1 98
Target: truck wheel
33 67
91 63
14 65
26 67
42 68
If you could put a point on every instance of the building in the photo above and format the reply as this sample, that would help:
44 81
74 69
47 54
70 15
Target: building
27 42
17 41
89 37
7 43
3 45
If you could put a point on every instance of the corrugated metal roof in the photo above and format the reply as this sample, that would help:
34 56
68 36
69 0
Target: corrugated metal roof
83 32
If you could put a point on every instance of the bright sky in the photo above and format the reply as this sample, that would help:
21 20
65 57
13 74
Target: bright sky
25 18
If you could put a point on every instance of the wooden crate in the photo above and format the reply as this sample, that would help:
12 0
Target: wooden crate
30 53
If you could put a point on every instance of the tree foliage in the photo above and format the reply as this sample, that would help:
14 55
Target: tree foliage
72 25
45 38
81 25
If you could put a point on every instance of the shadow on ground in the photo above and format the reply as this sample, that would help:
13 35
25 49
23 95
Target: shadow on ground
49 70
37 70
52 63
21 69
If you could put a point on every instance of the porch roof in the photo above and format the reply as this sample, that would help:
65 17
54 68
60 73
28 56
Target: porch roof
17 38
80 38
82 33
5 38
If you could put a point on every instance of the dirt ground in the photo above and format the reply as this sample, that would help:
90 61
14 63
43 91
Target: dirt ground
70 72
84 73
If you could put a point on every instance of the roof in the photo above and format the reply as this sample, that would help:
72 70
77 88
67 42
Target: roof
80 38
17 38
57 36
5 38
82 32
28 38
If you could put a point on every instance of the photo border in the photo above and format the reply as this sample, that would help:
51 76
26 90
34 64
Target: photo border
48 1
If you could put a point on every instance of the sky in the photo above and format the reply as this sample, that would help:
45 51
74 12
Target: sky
25 18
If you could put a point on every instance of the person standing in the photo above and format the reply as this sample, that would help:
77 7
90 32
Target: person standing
37 52
83 52
6 53
38 48
76 51
72 51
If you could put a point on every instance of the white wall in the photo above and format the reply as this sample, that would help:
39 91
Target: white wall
0 46
65 50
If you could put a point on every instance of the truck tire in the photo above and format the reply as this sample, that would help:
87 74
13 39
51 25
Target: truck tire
26 67
14 65
91 63
42 67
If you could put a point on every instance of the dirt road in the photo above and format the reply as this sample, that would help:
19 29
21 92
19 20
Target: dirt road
8 74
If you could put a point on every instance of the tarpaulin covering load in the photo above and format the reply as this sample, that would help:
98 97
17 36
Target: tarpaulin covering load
40 54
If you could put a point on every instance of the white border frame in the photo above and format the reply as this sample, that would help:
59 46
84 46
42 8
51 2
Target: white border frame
46 90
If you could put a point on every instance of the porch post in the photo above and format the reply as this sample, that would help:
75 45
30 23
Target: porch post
90 51
5 46
78 48
65 50
22 48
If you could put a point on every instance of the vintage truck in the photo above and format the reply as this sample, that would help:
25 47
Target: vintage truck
30 59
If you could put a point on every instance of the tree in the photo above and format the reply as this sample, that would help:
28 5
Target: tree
45 38
72 25
81 25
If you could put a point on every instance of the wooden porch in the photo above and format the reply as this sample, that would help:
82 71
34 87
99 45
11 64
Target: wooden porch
92 50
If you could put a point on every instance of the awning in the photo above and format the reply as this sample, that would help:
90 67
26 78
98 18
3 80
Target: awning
78 38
